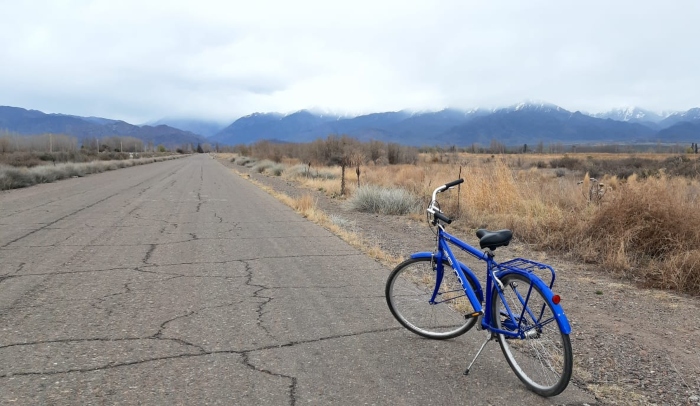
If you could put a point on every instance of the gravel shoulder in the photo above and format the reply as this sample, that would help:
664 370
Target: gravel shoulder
631 345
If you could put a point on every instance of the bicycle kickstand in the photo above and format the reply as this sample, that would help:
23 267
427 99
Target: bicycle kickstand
489 338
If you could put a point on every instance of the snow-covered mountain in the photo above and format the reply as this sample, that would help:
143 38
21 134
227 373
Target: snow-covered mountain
691 115
632 115
533 106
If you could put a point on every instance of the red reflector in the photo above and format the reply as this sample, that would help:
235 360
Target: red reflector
556 299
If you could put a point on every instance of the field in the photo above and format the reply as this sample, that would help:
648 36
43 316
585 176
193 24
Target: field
637 218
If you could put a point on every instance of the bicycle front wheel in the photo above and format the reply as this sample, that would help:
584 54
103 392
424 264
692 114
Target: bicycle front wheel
543 358
409 289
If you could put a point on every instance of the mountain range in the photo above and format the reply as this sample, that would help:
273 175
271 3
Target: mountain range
30 122
523 123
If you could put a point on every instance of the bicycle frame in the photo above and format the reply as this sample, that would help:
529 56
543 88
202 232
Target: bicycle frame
493 273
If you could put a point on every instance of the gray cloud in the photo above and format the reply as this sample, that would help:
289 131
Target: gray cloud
140 61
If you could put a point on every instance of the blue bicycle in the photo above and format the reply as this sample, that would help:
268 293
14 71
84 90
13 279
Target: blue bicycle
517 308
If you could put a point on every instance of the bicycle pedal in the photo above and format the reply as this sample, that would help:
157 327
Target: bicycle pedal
472 315
479 316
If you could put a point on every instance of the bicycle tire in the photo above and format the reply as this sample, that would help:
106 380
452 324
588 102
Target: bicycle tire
543 360
409 289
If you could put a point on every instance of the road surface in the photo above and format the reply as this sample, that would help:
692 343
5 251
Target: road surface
182 283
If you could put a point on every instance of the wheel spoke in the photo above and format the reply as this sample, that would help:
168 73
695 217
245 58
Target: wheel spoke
543 358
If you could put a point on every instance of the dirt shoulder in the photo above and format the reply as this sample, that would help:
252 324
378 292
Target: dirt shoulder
631 345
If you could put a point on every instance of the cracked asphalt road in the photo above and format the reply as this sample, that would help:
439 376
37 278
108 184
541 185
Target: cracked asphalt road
181 283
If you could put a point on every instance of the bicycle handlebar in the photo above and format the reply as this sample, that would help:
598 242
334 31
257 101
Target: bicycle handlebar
454 183
433 209
442 217
446 186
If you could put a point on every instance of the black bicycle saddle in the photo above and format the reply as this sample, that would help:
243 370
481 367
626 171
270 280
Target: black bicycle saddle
494 239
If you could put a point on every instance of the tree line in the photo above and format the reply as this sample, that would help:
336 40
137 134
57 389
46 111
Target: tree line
339 150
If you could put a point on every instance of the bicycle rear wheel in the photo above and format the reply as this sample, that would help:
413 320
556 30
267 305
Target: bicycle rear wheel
543 359
409 289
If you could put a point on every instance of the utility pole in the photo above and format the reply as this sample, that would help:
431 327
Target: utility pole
51 143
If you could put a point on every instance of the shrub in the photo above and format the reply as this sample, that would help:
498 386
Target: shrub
376 199
340 221
11 178
276 169
263 165
566 162
241 160
298 171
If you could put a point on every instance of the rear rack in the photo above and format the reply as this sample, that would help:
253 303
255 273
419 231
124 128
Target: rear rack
528 266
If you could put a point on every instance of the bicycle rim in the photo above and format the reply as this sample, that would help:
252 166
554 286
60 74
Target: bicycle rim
543 359
408 292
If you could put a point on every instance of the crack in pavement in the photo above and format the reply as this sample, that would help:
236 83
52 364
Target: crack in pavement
244 353
293 379
102 299
256 294
159 334
199 191
199 205
149 253
81 340
163 326
137 269
19 269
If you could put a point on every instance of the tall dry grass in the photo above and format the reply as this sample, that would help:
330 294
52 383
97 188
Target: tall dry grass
649 230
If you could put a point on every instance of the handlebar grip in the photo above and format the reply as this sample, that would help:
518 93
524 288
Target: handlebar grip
453 183
443 217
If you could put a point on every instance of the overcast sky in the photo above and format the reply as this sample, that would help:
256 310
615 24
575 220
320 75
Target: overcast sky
140 60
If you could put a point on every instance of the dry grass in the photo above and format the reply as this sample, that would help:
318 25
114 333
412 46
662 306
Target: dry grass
649 230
